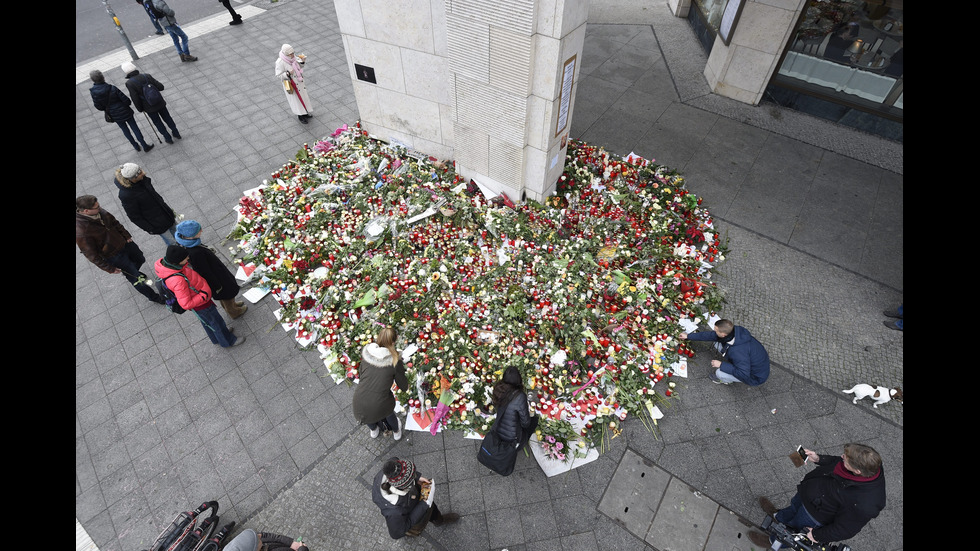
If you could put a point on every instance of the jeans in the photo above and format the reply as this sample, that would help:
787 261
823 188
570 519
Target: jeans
129 260
128 124
214 326
389 423
795 516
163 116
168 236
177 33
153 19
725 377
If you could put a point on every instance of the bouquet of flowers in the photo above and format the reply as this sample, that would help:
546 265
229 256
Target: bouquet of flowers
583 293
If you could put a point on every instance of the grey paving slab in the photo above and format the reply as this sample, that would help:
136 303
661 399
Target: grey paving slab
813 214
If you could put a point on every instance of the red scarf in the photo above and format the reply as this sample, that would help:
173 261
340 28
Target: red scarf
840 471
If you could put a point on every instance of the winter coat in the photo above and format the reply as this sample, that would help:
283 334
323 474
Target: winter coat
143 205
840 505
100 239
282 72
401 512
373 400
192 293
134 83
106 96
746 359
170 19
209 266
514 419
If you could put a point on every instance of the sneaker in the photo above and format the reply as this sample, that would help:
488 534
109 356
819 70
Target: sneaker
714 378
375 432
760 539
398 433
238 342
767 506
892 325
892 313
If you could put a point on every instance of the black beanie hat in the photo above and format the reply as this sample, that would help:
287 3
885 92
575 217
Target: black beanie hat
175 254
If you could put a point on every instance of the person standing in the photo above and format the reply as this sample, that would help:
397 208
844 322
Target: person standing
153 18
746 360
514 422
373 403
115 104
835 500
169 18
236 19
193 293
107 244
289 69
398 491
154 106
205 261
142 203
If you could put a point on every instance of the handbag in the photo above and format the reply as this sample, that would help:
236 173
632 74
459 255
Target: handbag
288 86
108 117
497 455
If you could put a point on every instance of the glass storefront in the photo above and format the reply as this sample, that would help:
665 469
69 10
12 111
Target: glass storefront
849 51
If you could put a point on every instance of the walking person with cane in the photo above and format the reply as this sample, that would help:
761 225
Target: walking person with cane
289 69
108 245
145 93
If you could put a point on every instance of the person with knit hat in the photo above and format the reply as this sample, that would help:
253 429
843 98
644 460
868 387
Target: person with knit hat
250 540
108 245
289 69
142 203
407 499
156 107
205 261
167 16
116 106
193 293
373 403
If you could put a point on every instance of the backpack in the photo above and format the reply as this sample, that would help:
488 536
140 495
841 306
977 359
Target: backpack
169 298
148 4
151 95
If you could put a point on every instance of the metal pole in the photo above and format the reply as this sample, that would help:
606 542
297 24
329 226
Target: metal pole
122 33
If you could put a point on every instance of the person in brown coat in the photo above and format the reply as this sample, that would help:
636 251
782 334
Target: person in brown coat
108 245
374 404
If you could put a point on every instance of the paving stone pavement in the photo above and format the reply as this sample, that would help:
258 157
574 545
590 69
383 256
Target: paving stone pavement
164 420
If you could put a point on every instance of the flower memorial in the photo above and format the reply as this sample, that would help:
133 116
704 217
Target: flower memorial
584 293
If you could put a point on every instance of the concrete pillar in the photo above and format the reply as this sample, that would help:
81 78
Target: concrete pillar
477 81
742 69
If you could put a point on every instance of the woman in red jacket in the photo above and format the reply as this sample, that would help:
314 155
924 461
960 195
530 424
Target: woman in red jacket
193 293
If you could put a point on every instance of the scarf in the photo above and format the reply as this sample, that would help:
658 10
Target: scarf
292 62
840 471
187 243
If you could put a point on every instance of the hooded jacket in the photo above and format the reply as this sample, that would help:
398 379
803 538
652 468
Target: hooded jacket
143 204
840 505
746 359
100 238
191 291
373 400
402 511
106 96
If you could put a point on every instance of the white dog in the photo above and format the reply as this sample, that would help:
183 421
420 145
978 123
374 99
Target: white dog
879 394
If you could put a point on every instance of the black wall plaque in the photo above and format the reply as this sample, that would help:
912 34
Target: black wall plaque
365 73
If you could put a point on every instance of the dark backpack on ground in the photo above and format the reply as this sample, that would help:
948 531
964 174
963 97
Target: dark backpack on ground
168 296
151 96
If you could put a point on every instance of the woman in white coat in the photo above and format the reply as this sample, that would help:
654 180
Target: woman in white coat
289 69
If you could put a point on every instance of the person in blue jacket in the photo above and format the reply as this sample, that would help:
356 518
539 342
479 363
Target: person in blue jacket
745 359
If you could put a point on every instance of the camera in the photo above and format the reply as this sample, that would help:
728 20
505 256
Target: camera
798 541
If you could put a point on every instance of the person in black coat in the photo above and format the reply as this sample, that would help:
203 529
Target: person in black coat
514 421
406 499
204 260
158 113
115 104
142 203
834 501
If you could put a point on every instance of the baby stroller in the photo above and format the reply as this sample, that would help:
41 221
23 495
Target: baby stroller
191 531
